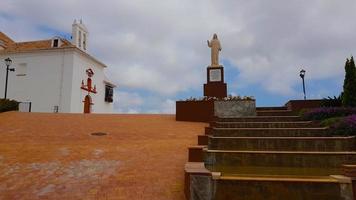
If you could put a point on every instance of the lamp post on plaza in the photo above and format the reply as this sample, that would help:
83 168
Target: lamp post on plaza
8 62
302 74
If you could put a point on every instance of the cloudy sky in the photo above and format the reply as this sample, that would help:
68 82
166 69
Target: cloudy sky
157 53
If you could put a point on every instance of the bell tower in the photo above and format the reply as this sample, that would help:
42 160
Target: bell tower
80 35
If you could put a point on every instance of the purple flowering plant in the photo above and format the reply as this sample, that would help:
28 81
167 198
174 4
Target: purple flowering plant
346 126
328 112
340 120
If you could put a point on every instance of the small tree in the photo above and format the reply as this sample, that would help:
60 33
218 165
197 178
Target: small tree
8 105
349 93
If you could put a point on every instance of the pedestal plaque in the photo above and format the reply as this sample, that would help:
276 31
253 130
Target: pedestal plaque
215 75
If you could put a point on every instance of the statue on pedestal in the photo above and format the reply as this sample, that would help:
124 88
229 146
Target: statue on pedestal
215 46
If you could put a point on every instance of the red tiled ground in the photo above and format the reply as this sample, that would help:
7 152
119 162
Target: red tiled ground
53 156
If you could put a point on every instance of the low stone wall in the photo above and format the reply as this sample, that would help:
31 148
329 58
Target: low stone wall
203 140
201 187
194 111
205 111
232 109
297 105
197 181
195 154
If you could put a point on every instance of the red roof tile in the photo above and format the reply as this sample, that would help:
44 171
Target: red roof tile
11 46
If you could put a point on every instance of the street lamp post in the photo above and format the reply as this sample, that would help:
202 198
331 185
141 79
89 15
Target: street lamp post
302 74
8 62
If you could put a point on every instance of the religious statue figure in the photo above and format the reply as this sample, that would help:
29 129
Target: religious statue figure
215 46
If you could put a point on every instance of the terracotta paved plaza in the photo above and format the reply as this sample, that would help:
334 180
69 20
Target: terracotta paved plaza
53 156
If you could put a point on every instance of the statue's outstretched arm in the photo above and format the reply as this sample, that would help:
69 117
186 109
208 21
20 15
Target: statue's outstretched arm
209 45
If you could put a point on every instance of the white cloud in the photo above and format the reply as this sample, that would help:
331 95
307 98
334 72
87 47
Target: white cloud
132 111
133 102
169 106
160 46
128 102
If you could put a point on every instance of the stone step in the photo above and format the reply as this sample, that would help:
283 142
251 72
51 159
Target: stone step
201 183
274 113
260 119
232 162
282 143
242 187
271 108
268 132
298 124
276 171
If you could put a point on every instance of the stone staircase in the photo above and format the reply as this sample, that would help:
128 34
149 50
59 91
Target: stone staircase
271 156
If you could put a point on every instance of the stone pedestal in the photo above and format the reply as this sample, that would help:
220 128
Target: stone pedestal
215 86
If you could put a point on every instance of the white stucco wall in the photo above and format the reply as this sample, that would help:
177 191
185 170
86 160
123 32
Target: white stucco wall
81 64
53 78
42 83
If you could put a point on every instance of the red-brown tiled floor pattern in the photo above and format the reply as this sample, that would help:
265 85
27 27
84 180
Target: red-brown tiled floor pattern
53 156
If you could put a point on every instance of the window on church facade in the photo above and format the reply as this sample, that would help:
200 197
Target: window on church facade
55 43
109 93
21 69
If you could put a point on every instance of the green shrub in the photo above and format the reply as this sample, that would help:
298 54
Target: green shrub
302 112
345 126
8 105
349 93
330 121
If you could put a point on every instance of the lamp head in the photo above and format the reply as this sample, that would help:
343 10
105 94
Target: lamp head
302 73
8 61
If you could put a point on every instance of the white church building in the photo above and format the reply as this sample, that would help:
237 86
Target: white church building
56 75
